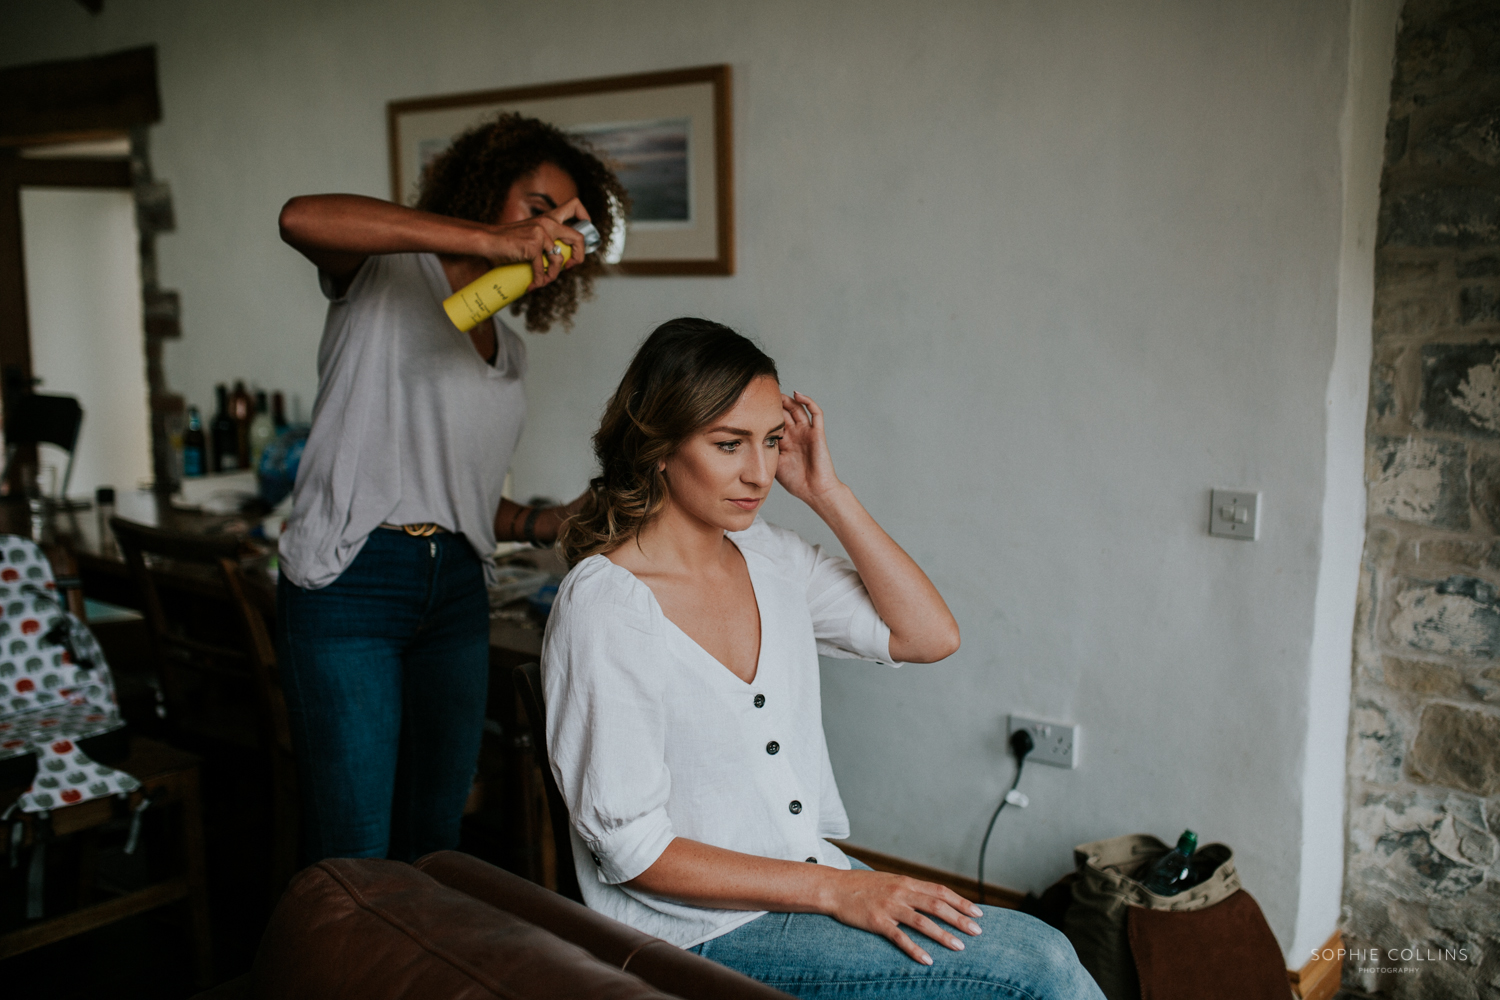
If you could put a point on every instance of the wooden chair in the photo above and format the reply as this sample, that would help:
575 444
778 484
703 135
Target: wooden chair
169 777
527 679
217 663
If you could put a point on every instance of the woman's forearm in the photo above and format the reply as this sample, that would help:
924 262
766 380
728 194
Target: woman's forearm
510 521
693 872
337 229
923 630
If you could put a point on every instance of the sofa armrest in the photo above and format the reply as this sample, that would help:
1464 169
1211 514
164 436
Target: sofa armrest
664 966
370 929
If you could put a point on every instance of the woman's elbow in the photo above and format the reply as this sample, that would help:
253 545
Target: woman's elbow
293 220
938 645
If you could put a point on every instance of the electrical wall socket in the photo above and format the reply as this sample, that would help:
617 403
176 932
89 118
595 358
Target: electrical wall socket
1056 743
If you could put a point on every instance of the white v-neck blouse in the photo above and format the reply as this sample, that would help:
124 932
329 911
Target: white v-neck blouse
652 738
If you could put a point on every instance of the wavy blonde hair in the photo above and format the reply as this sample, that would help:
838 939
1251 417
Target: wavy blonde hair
686 374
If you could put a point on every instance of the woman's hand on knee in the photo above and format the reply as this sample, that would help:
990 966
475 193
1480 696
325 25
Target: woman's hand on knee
881 903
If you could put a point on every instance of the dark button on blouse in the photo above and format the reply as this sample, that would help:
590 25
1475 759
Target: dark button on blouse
812 861
772 747
760 701
596 859
795 807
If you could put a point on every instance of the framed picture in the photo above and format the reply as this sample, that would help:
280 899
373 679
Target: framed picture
667 134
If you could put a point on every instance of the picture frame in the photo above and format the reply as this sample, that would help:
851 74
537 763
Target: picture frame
669 134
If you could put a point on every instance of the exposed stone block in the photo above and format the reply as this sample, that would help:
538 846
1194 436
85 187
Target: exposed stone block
1459 747
1472 146
1413 316
1477 304
1459 616
1428 59
1450 216
1383 375
1379 749
1484 485
1420 677
1461 388
1395 139
1420 480
1417 844
1392 271
1479 267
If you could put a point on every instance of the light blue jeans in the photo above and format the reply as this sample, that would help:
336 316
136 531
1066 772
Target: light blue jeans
810 955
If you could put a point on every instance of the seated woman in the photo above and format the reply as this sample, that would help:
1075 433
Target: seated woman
683 717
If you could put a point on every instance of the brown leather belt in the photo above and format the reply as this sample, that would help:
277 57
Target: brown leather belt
418 530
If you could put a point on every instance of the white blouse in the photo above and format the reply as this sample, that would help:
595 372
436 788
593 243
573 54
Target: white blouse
652 738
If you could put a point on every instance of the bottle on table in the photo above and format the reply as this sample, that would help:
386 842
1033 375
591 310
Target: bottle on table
104 503
194 446
262 430
225 434
278 412
1174 871
242 409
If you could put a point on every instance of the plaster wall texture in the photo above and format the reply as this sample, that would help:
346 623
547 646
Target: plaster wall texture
1054 270
1423 879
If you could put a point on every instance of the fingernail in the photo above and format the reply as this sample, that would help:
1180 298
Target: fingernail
926 959
958 945
976 911
975 929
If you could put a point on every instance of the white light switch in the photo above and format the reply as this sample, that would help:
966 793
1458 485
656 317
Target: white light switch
1234 514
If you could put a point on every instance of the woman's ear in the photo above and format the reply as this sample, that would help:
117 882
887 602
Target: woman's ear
661 466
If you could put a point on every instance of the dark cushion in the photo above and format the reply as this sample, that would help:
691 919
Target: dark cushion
371 929
664 966
1224 950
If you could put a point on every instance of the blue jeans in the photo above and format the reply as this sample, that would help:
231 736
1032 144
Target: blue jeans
386 671
810 955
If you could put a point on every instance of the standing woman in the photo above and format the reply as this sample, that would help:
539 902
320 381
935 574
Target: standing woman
382 613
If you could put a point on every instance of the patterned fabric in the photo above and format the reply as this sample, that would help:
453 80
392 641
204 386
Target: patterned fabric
55 687
65 776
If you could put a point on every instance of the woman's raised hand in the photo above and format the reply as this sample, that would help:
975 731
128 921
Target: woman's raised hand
881 903
532 240
805 468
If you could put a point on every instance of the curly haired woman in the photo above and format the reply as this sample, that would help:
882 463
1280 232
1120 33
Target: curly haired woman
382 616
684 719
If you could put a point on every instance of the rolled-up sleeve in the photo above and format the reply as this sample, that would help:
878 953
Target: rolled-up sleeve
606 735
845 622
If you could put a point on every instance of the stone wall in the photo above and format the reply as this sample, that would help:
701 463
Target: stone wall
1423 863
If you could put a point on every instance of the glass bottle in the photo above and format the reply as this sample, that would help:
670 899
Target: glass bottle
225 434
262 431
242 409
1173 871
278 412
194 447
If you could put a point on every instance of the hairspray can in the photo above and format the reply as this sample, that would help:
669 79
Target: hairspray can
482 298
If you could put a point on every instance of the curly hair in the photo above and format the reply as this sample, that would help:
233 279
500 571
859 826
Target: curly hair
472 178
686 374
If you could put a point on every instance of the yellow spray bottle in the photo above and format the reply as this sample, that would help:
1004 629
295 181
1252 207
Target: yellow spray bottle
482 298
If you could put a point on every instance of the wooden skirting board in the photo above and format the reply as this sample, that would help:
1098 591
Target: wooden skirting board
1317 980
1320 978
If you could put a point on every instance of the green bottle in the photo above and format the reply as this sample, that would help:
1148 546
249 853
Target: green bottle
1173 871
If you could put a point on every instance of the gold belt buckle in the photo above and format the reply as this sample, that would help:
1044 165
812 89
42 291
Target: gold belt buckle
421 530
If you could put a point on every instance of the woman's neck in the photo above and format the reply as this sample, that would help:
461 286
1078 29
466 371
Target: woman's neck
675 542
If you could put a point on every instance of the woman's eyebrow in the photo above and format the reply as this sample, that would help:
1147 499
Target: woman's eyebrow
742 432
544 196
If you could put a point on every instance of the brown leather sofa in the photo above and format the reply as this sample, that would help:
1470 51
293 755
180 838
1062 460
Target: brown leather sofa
452 927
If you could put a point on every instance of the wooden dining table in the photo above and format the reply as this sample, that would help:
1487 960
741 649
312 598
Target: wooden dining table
507 816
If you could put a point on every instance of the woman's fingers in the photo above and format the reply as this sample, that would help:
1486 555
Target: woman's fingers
952 917
903 942
918 921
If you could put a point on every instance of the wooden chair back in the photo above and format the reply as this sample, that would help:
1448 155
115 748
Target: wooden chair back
527 679
211 641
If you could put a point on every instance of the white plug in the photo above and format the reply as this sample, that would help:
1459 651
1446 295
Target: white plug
1017 798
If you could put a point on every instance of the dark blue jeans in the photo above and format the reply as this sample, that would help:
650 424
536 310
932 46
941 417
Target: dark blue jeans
386 671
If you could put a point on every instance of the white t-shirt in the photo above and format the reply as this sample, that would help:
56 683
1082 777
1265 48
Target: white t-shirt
652 738
411 426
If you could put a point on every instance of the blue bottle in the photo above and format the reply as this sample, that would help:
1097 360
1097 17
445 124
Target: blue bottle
1174 871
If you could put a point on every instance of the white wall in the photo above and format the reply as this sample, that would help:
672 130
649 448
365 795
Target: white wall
1054 269
83 294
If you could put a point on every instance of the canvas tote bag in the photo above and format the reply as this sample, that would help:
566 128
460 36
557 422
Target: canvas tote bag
1104 890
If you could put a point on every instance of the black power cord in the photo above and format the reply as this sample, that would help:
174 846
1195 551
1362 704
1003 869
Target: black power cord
1021 744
